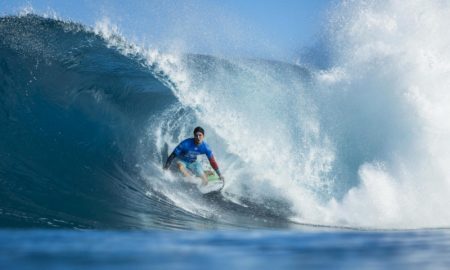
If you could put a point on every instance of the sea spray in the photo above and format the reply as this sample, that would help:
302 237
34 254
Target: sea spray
392 102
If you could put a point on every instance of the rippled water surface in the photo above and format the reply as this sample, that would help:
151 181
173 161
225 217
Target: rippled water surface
60 249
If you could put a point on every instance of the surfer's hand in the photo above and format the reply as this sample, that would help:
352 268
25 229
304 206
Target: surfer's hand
222 178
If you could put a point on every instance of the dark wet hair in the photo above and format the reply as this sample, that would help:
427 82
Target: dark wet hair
199 129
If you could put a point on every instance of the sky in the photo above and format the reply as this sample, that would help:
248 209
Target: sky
265 28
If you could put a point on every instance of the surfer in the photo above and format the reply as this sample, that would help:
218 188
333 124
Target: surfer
186 154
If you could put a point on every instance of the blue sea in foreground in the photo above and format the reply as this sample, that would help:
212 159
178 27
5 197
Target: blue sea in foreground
336 161
256 249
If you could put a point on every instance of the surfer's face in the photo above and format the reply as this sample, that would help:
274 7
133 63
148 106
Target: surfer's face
198 137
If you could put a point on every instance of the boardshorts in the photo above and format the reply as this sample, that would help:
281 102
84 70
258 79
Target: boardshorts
195 167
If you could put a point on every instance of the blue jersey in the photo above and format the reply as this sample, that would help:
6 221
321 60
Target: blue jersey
188 151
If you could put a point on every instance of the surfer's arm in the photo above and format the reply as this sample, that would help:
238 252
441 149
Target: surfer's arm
169 160
212 160
176 152
214 165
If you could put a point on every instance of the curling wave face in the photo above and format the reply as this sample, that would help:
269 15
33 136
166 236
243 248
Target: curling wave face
357 139
71 111
83 135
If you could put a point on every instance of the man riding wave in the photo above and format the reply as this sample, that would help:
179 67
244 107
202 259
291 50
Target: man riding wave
186 154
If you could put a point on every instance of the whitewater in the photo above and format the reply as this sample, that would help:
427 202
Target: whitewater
354 134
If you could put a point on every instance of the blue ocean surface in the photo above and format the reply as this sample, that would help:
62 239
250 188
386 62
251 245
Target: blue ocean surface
257 249
338 161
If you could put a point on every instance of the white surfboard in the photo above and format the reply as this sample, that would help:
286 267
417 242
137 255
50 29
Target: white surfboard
214 183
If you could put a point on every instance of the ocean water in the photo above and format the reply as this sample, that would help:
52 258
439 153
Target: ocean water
337 161
256 249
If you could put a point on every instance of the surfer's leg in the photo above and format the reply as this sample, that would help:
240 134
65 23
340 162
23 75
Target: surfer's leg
204 179
183 169
197 169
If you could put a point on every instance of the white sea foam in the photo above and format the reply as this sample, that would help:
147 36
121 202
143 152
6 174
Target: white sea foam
395 59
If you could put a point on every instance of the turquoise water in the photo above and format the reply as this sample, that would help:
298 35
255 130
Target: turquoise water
257 249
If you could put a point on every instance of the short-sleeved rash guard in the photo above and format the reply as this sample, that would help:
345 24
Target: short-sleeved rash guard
188 151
